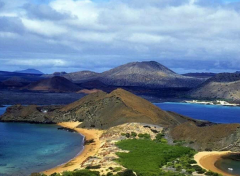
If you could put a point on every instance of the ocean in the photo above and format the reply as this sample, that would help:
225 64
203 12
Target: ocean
212 113
27 148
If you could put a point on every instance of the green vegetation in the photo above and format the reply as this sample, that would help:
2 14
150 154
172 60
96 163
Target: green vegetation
210 173
146 157
133 134
187 163
160 138
144 136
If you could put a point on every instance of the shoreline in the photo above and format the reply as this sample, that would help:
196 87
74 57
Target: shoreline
87 150
212 102
207 161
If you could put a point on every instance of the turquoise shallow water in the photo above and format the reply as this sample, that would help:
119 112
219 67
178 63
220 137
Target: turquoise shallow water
213 113
27 148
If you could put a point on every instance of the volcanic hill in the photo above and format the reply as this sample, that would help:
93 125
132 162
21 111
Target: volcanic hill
222 86
54 84
147 74
99 110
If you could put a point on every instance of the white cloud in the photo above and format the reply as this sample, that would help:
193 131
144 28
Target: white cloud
37 62
127 30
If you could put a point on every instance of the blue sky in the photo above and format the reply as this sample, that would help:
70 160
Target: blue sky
68 35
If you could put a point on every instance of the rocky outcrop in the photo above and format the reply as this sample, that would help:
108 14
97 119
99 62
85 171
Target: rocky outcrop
31 114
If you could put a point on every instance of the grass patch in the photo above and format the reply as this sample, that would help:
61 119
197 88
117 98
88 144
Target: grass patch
146 157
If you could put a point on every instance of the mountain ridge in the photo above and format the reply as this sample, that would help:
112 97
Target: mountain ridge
149 74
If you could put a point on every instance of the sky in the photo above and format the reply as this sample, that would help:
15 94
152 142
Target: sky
97 35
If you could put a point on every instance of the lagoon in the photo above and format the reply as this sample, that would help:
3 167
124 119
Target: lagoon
27 148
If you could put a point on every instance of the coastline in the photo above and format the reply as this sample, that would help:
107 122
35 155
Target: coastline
88 150
207 161
213 102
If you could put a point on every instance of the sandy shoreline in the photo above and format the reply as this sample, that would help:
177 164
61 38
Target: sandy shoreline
89 150
207 161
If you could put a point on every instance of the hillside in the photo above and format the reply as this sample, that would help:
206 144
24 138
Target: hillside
116 108
147 74
214 137
100 110
222 86
54 84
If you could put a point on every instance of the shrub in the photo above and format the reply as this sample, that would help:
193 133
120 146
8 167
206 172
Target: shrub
133 134
93 167
144 136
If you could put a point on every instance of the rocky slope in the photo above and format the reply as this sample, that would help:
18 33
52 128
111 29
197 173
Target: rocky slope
222 86
147 74
213 137
54 84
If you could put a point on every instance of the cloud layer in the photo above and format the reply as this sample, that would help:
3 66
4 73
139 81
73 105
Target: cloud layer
83 34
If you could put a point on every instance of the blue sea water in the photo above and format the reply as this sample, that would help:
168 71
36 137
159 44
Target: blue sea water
27 148
213 113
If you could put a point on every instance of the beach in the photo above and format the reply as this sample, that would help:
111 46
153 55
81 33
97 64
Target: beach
89 150
207 161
